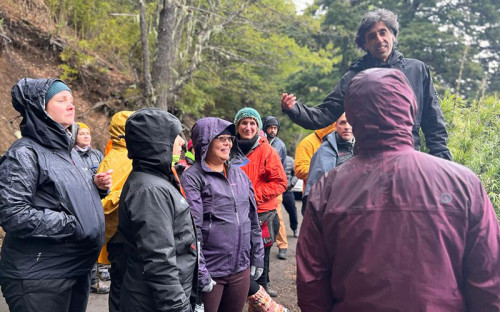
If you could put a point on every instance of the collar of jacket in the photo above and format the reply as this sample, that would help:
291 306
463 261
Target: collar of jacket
368 61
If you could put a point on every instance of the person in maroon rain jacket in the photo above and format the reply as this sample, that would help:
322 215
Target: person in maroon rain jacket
394 229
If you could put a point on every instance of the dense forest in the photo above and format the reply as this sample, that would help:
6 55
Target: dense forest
212 57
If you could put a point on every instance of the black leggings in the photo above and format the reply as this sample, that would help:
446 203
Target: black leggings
118 259
264 278
254 287
289 203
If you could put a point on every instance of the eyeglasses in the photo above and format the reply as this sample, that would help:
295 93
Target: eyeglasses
225 138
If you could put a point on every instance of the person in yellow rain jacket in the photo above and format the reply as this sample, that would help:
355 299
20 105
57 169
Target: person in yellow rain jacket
117 160
305 151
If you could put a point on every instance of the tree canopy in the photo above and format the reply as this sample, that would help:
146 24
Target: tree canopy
210 58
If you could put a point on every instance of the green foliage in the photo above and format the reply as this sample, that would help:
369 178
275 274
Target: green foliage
474 139
436 33
249 63
97 30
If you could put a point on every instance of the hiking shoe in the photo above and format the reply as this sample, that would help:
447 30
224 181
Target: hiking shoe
282 254
104 275
271 293
102 289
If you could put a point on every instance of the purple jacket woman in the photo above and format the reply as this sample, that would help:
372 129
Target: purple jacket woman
223 206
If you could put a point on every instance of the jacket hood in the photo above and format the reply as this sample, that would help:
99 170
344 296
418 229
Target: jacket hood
116 127
368 61
150 134
205 130
325 131
381 107
271 121
28 98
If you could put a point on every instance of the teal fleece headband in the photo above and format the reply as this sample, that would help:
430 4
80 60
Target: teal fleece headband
56 87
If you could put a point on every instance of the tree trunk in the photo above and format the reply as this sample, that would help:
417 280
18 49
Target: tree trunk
166 57
148 87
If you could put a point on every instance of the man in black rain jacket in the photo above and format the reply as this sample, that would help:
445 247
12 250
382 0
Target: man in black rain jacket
376 35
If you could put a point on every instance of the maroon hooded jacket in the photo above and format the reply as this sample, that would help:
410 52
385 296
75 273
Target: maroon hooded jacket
394 229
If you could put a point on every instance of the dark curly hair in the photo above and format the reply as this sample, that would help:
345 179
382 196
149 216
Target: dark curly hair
373 17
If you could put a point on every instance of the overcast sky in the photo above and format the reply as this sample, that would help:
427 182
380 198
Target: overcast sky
302 4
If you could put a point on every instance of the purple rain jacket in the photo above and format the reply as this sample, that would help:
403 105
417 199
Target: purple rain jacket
394 229
224 210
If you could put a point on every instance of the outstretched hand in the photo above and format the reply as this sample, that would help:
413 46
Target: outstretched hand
103 180
287 101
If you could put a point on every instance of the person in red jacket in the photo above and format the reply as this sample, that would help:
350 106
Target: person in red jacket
266 174
394 229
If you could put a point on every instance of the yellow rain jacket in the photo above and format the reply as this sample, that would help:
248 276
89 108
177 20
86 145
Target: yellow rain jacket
117 160
306 149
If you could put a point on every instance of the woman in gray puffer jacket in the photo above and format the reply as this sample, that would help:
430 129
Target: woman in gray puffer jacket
225 213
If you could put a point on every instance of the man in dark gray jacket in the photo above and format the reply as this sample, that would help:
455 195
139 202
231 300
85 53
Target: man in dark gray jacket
376 35
155 220
272 127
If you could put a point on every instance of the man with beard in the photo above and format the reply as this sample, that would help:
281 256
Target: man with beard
377 35
271 128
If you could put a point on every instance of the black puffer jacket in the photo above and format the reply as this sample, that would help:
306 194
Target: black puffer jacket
155 220
429 116
49 206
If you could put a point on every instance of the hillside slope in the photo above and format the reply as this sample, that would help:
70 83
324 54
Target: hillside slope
29 48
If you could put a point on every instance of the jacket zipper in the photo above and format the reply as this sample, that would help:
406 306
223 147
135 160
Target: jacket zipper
96 213
237 222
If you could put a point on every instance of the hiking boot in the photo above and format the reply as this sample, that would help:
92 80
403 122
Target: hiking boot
282 254
99 288
271 292
104 275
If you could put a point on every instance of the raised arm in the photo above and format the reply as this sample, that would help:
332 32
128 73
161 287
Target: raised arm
322 115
